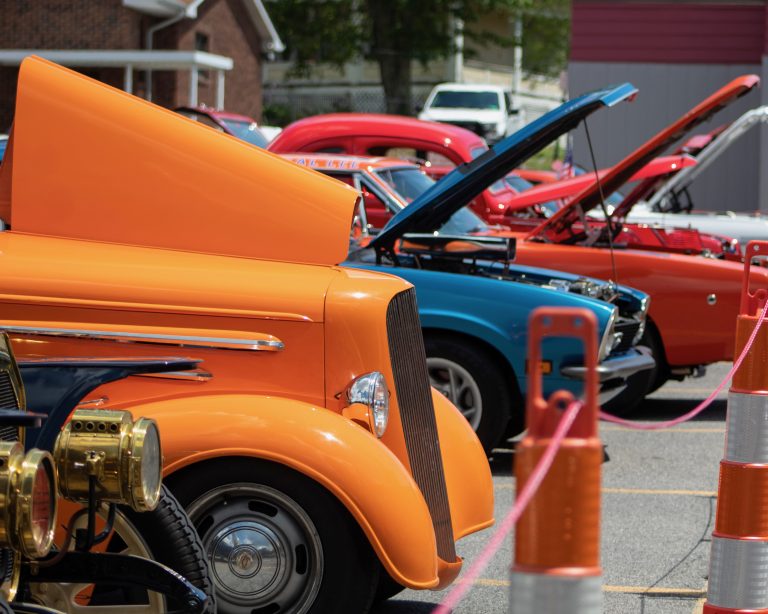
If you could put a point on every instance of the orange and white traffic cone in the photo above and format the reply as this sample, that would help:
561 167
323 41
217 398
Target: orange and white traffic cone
557 542
738 567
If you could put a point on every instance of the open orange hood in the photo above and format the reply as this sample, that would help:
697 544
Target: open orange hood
88 161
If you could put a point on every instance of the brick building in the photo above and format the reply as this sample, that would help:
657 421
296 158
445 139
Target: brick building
171 51
676 53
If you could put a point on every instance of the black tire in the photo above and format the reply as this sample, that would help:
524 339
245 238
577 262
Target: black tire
168 536
387 587
331 566
486 376
628 401
174 542
660 373
640 385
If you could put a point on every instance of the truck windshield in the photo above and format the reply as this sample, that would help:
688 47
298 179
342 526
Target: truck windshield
449 99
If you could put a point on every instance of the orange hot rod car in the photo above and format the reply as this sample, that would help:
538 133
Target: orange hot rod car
308 448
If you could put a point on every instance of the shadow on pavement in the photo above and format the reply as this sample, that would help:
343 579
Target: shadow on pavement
652 410
668 409
393 606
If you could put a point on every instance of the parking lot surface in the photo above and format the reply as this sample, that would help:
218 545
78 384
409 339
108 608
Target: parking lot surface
658 502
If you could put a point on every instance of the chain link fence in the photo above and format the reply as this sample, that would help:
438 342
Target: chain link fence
284 105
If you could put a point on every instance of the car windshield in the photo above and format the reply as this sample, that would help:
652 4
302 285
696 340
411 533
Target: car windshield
247 131
3 145
409 183
450 99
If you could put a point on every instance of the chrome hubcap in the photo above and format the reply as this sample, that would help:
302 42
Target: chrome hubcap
248 558
264 550
455 382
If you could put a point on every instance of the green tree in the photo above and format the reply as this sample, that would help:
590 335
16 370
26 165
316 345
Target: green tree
396 32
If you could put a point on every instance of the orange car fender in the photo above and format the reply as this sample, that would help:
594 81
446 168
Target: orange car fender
467 475
363 474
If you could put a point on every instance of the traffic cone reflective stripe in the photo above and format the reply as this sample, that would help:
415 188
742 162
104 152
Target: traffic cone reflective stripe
738 573
557 541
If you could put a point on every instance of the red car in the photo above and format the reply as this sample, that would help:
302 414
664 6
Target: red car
441 147
241 126
694 299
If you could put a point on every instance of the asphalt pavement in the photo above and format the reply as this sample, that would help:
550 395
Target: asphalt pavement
658 510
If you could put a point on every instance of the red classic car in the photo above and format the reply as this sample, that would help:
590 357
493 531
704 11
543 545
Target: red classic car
694 299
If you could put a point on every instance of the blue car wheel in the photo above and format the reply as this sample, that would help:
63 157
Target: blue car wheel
474 382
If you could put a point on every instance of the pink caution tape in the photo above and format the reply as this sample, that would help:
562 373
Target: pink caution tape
531 486
701 406
463 586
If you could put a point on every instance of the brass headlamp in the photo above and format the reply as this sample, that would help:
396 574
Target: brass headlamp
109 452
28 499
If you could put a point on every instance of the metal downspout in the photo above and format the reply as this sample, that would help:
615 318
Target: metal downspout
184 11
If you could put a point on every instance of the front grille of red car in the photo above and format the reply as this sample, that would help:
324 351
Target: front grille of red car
417 414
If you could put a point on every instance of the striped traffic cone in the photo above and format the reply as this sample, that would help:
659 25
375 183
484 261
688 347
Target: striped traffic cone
557 542
738 567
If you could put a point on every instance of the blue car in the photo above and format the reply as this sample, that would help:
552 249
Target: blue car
474 304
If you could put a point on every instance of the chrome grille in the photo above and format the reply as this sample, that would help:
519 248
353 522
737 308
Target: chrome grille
8 400
417 414
629 329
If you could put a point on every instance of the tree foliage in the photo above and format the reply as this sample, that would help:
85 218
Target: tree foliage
395 32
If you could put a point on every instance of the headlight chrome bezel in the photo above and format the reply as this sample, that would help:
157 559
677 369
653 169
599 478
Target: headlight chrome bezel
608 340
371 391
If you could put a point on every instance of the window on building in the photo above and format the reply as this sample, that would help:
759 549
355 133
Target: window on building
202 43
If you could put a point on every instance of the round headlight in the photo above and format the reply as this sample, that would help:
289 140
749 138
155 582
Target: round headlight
147 459
371 390
29 500
37 503
123 457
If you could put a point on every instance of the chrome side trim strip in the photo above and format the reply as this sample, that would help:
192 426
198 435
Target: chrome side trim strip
197 375
265 345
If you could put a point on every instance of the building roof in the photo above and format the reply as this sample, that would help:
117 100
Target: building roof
271 42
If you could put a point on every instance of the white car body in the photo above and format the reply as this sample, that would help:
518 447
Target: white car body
741 226
484 109
738 226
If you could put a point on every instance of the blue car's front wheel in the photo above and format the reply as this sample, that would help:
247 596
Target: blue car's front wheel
473 381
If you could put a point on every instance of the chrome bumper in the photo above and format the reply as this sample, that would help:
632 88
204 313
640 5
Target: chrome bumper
616 368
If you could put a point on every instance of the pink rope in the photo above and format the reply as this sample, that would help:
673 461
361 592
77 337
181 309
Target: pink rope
701 406
545 462
526 494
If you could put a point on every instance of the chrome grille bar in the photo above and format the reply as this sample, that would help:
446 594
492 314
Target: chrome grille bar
417 414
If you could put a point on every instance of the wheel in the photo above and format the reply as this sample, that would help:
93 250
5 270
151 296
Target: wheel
475 384
165 535
277 541
629 400
660 373
387 587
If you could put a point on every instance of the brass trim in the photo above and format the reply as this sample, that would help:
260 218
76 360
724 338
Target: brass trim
263 345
